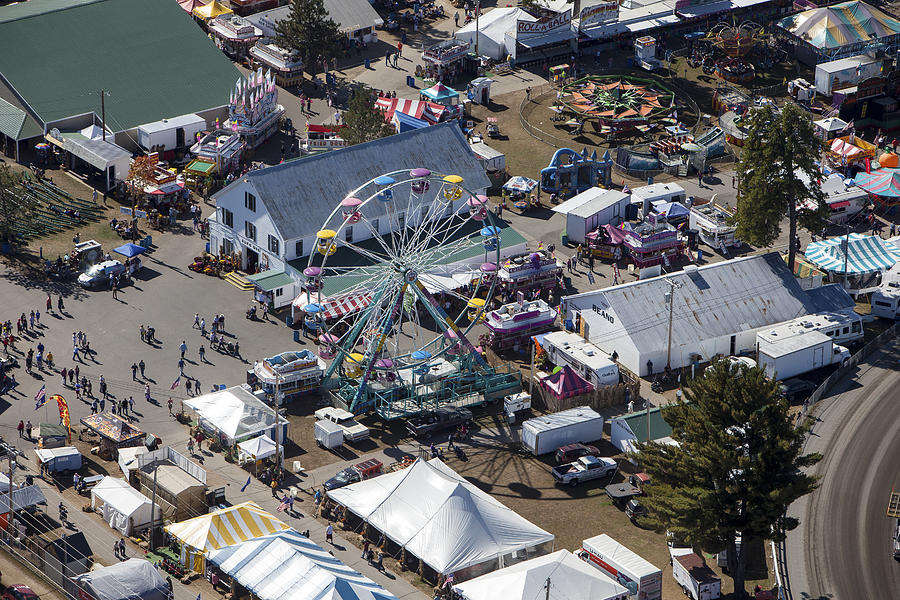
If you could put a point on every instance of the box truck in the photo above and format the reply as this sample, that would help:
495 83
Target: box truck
696 579
640 577
797 354
545 434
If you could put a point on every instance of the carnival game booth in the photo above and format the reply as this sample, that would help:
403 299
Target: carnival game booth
445 60
440 94
297 372
235 414
122 507
221 528
114 433
850 150
429 512
829 128
256 450
210 11
863 259
287 566
133 579
527 271
569 577
321 138
222 148
565 383
430 112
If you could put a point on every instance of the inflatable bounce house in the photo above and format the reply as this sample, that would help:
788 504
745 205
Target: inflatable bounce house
570 173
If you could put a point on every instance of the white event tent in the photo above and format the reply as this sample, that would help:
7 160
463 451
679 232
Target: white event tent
493 26
235 414
569 576
123 507
444 520
288 566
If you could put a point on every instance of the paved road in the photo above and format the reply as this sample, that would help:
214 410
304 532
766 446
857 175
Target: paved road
841 550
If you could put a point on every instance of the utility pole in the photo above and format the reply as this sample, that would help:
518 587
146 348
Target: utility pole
9 455
103 112
477 15
670 299
153 507
275 403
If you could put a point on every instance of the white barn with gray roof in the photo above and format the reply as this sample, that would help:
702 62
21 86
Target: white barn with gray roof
717 311
271 216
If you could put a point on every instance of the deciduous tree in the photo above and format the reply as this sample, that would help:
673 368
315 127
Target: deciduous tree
362 121
736 467
776 149
17 209
310 32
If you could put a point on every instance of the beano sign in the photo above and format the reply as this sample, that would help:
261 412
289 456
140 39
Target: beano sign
544 25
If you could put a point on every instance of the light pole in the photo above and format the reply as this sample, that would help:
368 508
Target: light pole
670 300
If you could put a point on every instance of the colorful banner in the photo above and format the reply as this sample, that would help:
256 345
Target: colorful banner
598 13
545 25
63 409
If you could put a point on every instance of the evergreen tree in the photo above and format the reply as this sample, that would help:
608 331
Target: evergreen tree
362 121
310 32
775 149
736 467
17 209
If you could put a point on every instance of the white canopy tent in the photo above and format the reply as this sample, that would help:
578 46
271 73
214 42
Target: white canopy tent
444 520
236 414
258 448
569 576
288 566
123 507
493 26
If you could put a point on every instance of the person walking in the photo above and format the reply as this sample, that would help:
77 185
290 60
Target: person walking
183 348
49 304
75 355
203 327
265 311
60 305
102 386
142 366
131 403
202 352
365 549
329 533
28 429
181 366
63 374
94 407
188 384
170 405
21 427
196 321
134 370
399 48
147 392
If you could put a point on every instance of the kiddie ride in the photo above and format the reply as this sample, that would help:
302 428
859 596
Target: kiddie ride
511 325
211 265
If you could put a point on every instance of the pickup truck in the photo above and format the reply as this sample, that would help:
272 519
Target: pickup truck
584 469
364 470
353 431
443 418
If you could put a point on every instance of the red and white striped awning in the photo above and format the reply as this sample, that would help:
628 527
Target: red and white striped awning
335 308
426 111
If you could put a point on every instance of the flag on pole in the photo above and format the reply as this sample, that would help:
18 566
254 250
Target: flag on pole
176 383
40 398
244 487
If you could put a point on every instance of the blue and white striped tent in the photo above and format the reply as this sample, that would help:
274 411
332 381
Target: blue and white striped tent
865 254
288 566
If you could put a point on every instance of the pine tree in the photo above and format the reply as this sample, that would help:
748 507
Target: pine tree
17 209
736 467
775 149
362 121
310 32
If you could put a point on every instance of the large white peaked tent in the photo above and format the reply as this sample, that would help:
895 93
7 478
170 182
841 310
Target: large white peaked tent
122 506
444 520
570 579
492 29
288 566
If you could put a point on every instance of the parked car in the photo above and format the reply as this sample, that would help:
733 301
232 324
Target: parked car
584 469
445 417
572 452
364 470
634 510
19 592
792 389
99 274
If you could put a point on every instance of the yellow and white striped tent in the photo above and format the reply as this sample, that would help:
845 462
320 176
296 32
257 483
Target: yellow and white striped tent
221 528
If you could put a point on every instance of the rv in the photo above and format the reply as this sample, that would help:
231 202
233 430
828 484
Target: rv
886 299
714 225
842 328
586 359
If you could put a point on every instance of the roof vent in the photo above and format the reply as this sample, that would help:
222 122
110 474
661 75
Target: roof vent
691 268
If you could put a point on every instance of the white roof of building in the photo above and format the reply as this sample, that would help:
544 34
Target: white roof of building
843 64
440 517
496 23
580 349
571 579
591 201
657 190
831 123
579 414
715 300
792 343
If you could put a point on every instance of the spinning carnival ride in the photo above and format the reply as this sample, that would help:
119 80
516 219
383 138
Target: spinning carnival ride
389 249
736 40
615 102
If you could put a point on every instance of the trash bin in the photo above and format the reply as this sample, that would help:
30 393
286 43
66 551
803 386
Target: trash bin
289 321
296 335
207 247
368 64
411 81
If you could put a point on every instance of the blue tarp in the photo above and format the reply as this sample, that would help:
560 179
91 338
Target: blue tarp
407 123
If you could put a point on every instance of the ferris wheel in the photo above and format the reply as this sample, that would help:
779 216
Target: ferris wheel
394 283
